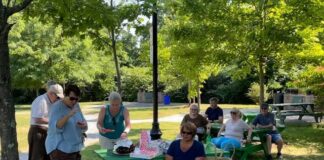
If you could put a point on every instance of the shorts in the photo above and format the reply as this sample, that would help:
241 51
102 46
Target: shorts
107 143
275 137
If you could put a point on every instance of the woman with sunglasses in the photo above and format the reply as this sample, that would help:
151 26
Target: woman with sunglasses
197 119
186 148
67 126
113 122
233 132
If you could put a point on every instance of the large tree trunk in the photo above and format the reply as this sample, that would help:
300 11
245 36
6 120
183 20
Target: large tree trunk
113 45
116 61
261 81
9 145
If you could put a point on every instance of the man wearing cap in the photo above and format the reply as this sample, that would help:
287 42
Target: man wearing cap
267 120
37 133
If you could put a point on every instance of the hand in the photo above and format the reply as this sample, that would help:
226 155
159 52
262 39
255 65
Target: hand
73 111
248 140
82 124
123 135
104 130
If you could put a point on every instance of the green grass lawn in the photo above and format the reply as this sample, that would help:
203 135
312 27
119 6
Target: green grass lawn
302 142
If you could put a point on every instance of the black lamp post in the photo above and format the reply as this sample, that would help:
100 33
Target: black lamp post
155 131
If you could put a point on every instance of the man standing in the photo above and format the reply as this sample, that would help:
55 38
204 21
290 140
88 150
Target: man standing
39 121
267 120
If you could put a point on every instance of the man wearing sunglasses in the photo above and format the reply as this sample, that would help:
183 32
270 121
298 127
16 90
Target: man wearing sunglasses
267 120
67 126
39 119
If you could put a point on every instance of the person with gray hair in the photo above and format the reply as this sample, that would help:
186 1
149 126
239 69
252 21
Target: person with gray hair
39 119
113 122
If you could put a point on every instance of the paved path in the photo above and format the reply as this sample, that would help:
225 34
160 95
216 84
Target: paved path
93 136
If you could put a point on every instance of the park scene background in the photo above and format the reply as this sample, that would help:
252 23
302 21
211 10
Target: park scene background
239 51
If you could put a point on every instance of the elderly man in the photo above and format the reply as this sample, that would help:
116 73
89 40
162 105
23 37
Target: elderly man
39 120
197 119
267 120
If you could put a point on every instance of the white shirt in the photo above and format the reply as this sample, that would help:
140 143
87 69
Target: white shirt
40 109
235 129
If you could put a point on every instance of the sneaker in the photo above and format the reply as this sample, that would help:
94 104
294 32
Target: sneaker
269 157
279 156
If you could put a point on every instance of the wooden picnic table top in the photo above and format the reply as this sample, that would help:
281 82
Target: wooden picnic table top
290 104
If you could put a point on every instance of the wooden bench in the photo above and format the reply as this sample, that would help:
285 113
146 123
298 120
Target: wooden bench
317 115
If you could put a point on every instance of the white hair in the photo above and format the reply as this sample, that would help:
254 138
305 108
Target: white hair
114 96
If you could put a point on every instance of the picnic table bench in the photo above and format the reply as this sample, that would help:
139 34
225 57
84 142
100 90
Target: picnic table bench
301 109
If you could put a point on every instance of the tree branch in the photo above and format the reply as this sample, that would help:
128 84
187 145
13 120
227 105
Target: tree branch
19 7
101 39
8 3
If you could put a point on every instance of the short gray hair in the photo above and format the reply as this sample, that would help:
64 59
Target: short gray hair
114 96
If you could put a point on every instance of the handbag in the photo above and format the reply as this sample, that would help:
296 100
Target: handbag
219 153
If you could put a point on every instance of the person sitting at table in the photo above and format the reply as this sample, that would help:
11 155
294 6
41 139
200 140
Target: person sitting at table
197 119
113 122
186 148
233 132
267 120
214 113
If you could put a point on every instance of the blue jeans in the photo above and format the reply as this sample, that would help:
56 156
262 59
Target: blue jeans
226 144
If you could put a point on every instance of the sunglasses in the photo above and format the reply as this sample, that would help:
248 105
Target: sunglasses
184 132
114 121
264 108
233 112
74 99
194 109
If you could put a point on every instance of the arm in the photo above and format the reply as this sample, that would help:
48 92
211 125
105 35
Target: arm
82 124
61 122
220 120
41 120
168 157
221 130
249 134
200 158
101 117
127 123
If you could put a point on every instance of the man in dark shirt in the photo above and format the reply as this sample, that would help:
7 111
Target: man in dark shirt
267 120
214 113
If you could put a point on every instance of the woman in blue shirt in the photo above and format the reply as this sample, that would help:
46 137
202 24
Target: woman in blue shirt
66 127
113 122
186 148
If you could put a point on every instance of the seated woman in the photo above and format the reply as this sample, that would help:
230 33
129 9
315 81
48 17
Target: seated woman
186 148
197 119
234 130
113 122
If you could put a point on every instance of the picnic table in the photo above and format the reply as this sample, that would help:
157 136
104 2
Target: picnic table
246 150
298 109
109 155
248 117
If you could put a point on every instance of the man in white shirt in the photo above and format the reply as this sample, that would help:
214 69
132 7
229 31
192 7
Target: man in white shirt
40 109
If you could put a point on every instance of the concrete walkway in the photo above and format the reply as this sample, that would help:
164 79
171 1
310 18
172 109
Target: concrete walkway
93 136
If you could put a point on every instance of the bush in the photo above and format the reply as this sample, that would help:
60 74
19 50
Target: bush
254 92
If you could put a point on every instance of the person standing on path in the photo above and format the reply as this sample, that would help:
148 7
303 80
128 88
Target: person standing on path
67 127
39 121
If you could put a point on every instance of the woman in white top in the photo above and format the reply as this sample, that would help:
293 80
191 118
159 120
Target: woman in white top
233 132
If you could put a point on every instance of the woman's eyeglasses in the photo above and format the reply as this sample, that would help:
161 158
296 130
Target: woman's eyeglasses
184 132
233 112
74 99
